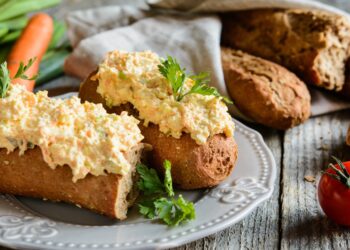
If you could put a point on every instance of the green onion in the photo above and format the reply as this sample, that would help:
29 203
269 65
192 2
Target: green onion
51 66
15 23
2 1
58 34
3 31
14 8
10 37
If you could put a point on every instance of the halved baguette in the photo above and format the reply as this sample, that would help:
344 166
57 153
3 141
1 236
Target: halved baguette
29 175
193 166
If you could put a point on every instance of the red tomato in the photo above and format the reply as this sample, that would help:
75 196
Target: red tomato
334 196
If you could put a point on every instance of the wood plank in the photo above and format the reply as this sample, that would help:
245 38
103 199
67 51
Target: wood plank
260 230
307 150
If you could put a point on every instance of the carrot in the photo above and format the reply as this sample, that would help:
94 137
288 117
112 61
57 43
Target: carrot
32 43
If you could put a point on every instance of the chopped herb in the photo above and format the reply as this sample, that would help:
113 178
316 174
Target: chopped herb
122 75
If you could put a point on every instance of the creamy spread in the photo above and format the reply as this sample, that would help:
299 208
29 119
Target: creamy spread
134 78
83 136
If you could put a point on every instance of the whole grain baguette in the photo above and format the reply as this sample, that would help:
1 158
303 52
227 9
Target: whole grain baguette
313 44
264 91
193 166
29 175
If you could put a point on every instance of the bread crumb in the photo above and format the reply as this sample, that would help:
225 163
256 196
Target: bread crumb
309 178
323 147
78 205
6 162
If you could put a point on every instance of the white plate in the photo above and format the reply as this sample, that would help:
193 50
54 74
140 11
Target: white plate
32 223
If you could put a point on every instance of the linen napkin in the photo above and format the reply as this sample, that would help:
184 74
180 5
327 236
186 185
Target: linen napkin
194 39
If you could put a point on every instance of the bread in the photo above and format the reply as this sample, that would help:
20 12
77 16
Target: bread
264 91
193 166
29 175
313 44
348 137
345 92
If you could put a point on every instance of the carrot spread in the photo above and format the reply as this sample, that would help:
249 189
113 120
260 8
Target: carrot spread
135 78
83 136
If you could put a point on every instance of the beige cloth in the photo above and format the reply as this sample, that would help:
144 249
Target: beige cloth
193 39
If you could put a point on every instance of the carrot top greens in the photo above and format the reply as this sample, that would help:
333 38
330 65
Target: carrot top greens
5 79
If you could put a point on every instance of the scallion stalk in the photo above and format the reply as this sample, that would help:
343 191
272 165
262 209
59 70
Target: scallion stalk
14 8
10 37
15 23
52 66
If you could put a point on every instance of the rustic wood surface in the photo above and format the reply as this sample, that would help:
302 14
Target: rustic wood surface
292 218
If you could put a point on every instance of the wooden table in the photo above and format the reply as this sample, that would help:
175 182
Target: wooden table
292 218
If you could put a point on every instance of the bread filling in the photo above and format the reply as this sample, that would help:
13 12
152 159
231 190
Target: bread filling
83 136
135 78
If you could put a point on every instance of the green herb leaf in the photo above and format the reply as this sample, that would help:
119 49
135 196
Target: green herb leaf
5 79
173 211
172 71
170 210
148 209
149 182
168 182
23 68
176 76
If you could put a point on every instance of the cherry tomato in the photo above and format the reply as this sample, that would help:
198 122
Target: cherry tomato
334 194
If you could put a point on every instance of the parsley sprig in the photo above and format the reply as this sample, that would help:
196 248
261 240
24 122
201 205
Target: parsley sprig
168 209
176 76
5 79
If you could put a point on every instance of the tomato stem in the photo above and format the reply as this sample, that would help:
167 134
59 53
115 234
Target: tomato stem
341 174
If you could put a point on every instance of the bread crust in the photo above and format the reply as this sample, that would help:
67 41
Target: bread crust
29 175
193 166
313 44
348 137
264 91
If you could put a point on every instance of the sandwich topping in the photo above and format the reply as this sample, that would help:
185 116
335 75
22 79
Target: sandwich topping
82 136
136 78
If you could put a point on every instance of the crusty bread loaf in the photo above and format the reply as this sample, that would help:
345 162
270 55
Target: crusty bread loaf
264 91
193 166
313 44
29 175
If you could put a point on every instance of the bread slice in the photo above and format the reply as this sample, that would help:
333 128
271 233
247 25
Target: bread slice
29 175
313 44
193 166
264 91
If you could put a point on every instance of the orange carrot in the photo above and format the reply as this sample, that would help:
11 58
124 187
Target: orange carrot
32 43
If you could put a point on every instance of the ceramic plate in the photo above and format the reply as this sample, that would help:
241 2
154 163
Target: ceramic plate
32 223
